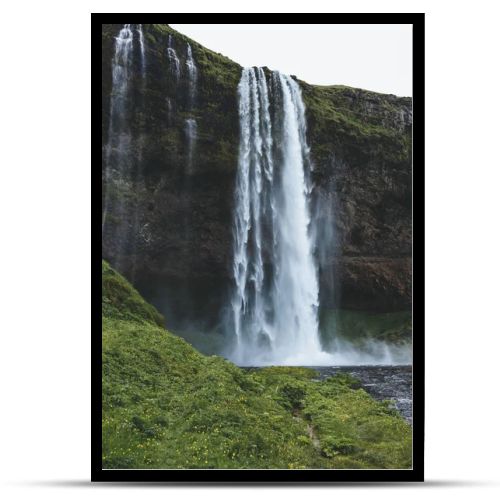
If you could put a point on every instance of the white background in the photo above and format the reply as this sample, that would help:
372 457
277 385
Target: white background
45 252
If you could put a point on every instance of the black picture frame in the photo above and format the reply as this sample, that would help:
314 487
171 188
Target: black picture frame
267 476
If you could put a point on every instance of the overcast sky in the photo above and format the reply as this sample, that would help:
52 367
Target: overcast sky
370 56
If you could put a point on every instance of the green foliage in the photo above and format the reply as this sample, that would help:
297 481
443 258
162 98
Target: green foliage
121 301
165 405
214 66
356 122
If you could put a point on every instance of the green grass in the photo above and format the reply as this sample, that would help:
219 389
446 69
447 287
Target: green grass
120 301
165 405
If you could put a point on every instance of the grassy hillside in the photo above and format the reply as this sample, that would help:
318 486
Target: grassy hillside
165 405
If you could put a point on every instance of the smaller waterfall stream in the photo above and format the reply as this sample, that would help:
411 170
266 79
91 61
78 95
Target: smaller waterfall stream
143 50
191 134
175 65
192 75
123 153
191 126
121 68
118 143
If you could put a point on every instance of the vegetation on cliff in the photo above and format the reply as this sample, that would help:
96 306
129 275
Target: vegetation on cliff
165 405
365 124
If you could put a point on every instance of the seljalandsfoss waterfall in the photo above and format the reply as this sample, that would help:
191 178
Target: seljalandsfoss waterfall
275 299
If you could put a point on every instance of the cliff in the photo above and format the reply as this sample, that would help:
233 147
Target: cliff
169 223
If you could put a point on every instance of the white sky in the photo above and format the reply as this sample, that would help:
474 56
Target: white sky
376 57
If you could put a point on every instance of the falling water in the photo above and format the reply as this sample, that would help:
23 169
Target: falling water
118 145
192 75
123 152
175 65
168 102
121 68
191 133
143 50
275 297
191 125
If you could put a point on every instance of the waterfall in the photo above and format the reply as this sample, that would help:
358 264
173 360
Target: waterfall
168 102
191 133
191 125
123 151
121 67
192 75
175 65
275 294
143 51
118 144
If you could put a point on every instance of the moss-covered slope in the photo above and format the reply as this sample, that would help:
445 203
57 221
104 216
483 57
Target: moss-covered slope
167 406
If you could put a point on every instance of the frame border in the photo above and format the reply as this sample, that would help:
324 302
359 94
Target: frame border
256 477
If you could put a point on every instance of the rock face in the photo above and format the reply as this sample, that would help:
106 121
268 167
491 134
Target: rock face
168 227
